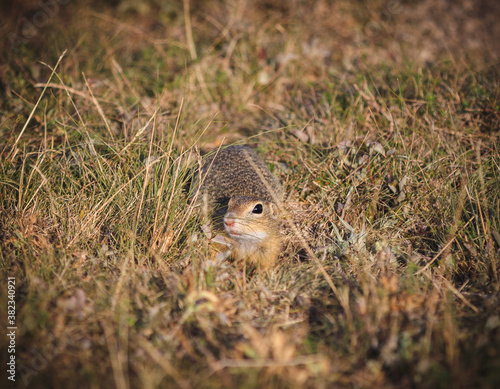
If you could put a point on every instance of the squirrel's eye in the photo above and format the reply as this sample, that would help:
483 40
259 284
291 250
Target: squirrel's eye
257 209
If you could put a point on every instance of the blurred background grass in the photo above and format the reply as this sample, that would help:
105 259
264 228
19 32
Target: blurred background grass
381 118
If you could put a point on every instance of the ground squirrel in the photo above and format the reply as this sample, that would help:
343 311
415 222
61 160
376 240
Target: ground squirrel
243 196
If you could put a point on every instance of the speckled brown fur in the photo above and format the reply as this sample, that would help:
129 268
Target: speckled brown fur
230 174
231 179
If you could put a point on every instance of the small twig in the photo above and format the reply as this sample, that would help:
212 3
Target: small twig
263 362
455 291
67 88
443 249
162 361
459 295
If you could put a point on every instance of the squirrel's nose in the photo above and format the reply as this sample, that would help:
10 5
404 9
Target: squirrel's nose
229 222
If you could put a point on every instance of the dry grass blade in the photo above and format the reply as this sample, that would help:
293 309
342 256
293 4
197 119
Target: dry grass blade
118 362
14 147
384 138
99 109
259 363
163 362
444 249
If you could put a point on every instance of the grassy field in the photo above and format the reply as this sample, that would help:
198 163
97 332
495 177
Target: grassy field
382 120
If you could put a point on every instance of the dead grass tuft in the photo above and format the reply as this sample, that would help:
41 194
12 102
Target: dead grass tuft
381 120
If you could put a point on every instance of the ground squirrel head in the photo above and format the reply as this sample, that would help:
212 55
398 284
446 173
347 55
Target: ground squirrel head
252 226
249 219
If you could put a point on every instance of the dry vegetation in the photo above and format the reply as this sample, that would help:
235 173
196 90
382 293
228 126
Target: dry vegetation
382 121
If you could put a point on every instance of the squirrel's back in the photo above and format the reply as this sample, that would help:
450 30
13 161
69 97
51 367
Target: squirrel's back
237 171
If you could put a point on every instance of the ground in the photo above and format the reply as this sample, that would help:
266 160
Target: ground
381 119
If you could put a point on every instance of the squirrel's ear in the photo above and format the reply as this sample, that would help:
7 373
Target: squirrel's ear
273 210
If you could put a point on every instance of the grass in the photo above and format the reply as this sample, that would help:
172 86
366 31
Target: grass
390 163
